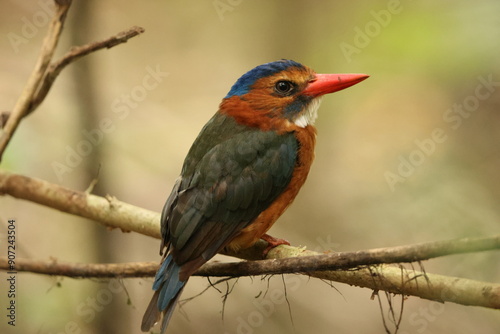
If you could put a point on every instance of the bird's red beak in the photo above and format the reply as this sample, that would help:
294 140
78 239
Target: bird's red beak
329 83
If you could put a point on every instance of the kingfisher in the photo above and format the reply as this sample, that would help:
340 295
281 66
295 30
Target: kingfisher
241 173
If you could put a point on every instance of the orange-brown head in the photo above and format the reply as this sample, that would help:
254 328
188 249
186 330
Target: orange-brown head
282 94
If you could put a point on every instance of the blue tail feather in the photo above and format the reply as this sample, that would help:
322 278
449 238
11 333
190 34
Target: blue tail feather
168 286
167 282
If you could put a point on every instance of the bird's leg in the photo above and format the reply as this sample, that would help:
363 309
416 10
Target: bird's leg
272 242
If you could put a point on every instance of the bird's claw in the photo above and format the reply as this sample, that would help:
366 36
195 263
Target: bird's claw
272 242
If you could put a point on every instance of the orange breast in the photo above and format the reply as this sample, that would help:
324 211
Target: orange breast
249 235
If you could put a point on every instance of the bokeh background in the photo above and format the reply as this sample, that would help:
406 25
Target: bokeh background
382 177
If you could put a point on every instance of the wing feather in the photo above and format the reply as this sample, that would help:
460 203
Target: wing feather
228 179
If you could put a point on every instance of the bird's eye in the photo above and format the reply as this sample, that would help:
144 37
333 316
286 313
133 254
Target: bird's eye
284 88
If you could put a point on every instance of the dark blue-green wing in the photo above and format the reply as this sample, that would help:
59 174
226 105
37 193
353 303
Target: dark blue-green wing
224 187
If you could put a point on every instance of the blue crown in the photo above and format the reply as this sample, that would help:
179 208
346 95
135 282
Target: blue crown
245 82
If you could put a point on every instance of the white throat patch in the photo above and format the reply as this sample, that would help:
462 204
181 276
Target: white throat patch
309 114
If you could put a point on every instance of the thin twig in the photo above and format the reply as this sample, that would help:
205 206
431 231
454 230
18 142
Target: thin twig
388 278
113 213
74 54
48 48
116 214
45 73
81 270
302 261
346 260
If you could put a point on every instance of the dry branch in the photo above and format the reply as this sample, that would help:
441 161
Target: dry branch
108 211
406 282
393 279
283 259
113 213
74 54
54 267
45 73
346 260
24 101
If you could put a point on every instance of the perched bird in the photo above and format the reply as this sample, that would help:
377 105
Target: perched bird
244 169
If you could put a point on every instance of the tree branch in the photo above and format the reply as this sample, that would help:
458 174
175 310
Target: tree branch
280 260
108 211
283 259
73 55
313 261
398 280
45 73
55 267
113 213
24 101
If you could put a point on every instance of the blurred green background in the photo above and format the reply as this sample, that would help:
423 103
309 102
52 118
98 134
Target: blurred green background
410 155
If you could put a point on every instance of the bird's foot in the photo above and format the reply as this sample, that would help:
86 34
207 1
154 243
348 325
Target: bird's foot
272 242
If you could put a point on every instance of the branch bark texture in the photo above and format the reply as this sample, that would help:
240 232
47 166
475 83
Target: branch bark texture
390 278
107 211
48 49
45 72
73 55
362 268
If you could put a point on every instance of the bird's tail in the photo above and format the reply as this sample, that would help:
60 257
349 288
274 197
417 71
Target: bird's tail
168 288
